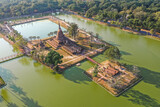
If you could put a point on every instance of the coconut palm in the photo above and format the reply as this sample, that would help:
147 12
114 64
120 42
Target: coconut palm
64 31
34 37
31 37
73 30
38 37
49 34
97 36
55 32
91 36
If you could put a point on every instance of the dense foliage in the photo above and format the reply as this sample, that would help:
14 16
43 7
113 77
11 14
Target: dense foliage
73 30
136 14
53 58
113 53
95 71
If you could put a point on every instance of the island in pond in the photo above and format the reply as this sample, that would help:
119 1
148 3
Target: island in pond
113 76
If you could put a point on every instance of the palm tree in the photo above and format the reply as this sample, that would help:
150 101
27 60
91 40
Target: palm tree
51 33
31 38
73 30
91 36
152 32
55 32
38 37
97 36
34 37
64 31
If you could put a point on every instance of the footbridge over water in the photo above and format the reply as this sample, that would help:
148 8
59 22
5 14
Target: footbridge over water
4 59
90 59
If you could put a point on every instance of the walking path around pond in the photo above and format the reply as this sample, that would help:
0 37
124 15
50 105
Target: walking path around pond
29 20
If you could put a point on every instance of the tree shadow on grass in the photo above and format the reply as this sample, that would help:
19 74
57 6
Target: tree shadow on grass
30 102
1 99
11 105
114 44
7 75
76 75
150 77
125 53
139 98
17 89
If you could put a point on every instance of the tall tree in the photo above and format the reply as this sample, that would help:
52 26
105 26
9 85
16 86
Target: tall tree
53 58
73 30
152 32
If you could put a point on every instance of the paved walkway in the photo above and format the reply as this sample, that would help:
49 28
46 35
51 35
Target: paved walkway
4 59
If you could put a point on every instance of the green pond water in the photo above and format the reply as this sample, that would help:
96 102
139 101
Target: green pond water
5 48
39 28
31 84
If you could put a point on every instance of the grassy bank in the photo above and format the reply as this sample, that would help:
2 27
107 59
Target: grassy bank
129 31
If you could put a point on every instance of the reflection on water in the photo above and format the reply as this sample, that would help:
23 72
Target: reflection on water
39 28
141 99
5 48
76 75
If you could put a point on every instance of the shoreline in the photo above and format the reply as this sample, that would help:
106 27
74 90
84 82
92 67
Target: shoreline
99 22
152 37
114 26
6 39
30 20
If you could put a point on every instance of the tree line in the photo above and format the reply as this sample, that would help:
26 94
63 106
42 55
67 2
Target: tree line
136 14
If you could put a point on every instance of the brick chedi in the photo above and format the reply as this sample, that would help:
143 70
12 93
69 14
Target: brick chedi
65 43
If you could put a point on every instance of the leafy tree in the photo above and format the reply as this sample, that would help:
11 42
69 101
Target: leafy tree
55 32
53 58
152 32
139 13
95 71
91 36
42 58
113 53
38 37
31 38
34 37
73 30
49 34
